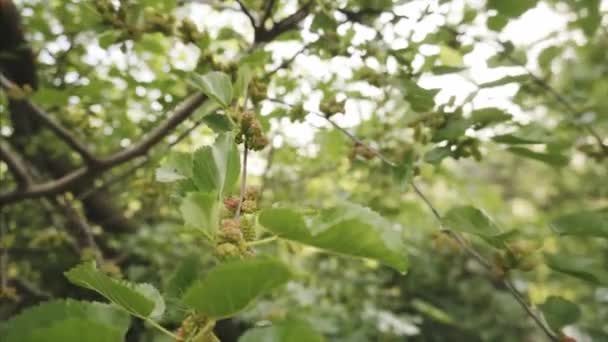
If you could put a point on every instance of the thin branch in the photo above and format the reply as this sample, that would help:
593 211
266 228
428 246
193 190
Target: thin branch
262 35
268 7
248 14
146 159
181 113
243 181
15 165
452 234
62 132
286 62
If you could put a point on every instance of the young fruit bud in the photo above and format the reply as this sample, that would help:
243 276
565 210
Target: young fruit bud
230 230
227 251
248 228
251 193
249 207
231 203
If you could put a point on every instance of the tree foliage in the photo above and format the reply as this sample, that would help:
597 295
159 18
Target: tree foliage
303 170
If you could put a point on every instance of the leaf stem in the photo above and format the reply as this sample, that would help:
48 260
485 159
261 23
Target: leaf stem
162 329
262 241
243 181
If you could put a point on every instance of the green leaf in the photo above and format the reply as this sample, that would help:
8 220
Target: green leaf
470 220
436 155
450 57
547 55
529 134
347 229
218 122
216 85
290 330
188 271
216 168
583 223
107 38
67 321
178 166
559 312
232 286
511 8
554 159
244 76
201 210
505 80
582 267
497 22
420 99
487 116
141 300
454 128
444 69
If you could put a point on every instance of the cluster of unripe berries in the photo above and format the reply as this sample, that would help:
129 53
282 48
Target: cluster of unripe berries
235 233
154 21
332 106
191 328
428 125
250 132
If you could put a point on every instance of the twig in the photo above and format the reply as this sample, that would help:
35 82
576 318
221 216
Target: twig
146 159
286 62
262 241
247 13
62 132
262 35
268 6
243 181
15 165
64 183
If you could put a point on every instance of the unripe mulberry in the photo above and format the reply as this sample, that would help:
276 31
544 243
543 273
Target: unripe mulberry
248 228
226 251
230 230
249 206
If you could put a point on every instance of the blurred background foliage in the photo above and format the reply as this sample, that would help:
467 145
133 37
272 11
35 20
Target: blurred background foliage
454 92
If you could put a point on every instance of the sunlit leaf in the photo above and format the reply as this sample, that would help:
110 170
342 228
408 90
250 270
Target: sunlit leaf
201 210
216 85
216 168
232 286
586 268
141 300
548 158
471 220
583 223
347 229
66 320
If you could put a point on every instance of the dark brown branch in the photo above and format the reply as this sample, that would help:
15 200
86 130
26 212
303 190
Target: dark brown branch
248 14
291 22
146 159
15 165
268 7
62 132
181 112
